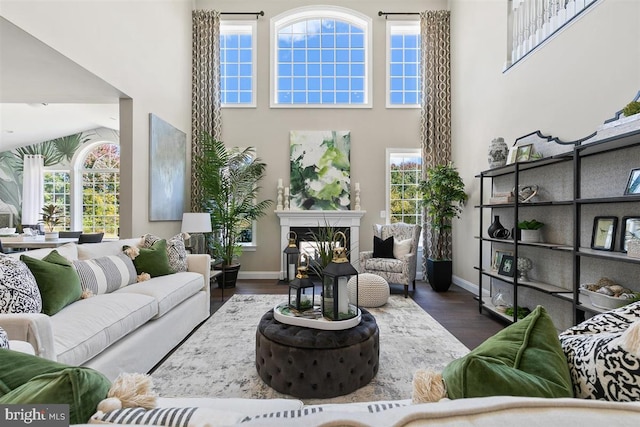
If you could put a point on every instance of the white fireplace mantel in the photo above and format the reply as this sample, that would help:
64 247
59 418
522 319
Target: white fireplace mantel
319 218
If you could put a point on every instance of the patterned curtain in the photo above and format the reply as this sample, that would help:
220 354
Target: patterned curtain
205 88
435 120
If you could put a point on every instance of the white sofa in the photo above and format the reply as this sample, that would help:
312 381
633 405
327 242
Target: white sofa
128 330
472 412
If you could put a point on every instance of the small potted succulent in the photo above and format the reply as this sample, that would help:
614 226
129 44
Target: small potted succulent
530 231
51 216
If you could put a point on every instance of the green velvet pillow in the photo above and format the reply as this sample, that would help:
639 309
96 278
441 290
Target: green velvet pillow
524 359
57 280
26 379
153 260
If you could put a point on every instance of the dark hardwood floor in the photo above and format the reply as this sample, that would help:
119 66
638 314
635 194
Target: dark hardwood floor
455 309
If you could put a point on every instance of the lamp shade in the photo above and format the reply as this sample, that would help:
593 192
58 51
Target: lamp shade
193 222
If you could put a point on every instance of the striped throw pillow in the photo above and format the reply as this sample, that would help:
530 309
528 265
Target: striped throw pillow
168 417
106 274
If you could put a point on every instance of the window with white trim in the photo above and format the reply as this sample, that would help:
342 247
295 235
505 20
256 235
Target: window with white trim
57 191
238 63
403 64
320 57
404 173
100 172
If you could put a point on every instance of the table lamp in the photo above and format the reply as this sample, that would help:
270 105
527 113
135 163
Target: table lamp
195 224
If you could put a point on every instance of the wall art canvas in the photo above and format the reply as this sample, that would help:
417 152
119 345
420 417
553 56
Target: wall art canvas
320 170
167 170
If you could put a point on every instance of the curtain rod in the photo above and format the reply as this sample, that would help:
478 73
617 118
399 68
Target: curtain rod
257 14
386 14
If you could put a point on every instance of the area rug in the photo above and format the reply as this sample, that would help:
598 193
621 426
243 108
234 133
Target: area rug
218 360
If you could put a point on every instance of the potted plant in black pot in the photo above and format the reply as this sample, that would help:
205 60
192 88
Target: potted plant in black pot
443 197
229 182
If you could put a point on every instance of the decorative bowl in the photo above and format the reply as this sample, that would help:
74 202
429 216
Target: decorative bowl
7 231
605 301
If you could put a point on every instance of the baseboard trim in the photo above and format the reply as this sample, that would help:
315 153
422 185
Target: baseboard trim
469 286
257 275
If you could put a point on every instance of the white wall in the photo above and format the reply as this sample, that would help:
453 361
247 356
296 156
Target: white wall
566 88
372 130
143 48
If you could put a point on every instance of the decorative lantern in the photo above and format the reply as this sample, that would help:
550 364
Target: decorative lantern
298 297
290 258
335 296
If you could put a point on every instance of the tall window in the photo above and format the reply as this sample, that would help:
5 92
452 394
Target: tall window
403 64
237 63
321 58
57 191
101 190
404 172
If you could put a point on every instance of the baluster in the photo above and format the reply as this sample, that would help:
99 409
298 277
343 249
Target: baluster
539 21
547 18
562 13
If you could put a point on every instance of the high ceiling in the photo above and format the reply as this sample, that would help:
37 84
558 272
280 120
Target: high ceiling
45 95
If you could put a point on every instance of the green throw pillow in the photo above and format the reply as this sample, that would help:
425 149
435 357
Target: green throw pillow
27 379
153 260
524 359
57 280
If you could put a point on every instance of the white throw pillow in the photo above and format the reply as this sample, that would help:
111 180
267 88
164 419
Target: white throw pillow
401 248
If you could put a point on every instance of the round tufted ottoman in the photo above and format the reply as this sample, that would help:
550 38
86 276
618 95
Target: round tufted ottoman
306 363
373 290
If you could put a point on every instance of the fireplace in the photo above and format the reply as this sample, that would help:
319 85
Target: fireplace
302 221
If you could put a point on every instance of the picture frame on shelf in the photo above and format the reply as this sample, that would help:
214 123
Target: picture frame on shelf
604 233
523 154
497 258
630 230
511 156
633 183
507 266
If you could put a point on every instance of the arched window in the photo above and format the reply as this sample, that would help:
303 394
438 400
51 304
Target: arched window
320 57
100 174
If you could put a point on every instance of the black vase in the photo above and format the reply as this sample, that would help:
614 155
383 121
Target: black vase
496 230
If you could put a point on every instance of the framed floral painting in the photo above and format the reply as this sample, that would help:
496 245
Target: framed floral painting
320 170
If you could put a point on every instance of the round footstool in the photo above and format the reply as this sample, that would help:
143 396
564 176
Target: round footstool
373 290
315 363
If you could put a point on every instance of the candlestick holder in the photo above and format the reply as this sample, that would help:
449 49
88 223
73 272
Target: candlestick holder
279 198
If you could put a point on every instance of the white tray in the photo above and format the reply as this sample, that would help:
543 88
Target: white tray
320 323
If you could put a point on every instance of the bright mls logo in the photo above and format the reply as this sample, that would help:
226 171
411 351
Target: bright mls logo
34 415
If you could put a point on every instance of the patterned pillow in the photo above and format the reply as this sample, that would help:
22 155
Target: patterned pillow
19 292
176 250
4 339
603 360
167 417
106 274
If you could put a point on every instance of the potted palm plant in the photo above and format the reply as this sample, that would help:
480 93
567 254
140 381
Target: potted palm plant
51 216
229 181
443 197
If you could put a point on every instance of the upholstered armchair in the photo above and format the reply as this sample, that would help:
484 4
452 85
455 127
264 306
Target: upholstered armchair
400 267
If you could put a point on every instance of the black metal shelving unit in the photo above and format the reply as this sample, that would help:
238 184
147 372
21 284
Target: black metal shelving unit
580 150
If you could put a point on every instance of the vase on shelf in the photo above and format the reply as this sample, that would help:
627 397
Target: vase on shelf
524 266
496 230
498 151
